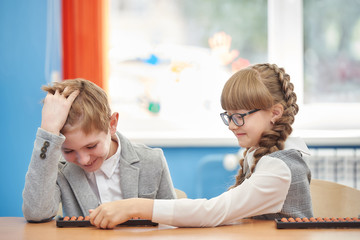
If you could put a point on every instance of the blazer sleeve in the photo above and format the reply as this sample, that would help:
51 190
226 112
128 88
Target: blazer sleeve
41 194
166 187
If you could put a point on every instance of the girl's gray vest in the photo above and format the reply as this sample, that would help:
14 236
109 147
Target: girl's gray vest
298 200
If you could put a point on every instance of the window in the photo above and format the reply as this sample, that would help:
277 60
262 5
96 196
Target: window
288 37
331 51
166 79
169 60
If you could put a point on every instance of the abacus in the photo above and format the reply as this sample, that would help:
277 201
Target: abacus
85 222
318 222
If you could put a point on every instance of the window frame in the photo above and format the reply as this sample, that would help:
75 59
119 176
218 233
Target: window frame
286 49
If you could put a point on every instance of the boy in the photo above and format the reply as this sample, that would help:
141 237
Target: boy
80 160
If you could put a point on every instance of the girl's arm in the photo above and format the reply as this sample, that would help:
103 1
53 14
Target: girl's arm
110 214
264 192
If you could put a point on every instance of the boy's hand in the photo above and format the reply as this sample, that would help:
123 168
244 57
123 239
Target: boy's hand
55 110
110 214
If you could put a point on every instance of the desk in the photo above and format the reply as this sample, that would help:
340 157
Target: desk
18 228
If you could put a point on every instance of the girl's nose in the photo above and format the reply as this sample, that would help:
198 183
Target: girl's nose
232 125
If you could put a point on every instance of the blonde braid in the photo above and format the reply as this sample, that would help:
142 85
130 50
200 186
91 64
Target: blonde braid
274 139
240 177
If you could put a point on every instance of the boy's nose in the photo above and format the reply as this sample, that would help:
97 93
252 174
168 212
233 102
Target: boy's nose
83 158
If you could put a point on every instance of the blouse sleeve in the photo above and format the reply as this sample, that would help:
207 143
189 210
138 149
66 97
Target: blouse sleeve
263 193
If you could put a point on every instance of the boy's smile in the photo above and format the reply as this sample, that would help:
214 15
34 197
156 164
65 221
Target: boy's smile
88 151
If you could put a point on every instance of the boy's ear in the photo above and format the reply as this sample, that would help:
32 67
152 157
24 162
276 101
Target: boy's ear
277 111
113 122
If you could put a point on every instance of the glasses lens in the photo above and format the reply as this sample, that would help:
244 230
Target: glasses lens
225 118
238 120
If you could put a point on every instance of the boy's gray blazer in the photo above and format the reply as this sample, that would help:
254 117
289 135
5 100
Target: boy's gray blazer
143 170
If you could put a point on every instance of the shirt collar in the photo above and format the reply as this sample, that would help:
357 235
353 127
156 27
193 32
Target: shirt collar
290 143
297 144
109 165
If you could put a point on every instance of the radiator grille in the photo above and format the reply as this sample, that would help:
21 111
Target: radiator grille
341 165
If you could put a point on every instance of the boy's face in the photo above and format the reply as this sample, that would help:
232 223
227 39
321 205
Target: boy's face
87 151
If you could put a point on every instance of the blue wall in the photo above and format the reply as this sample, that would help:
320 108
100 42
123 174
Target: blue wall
22 56
185 167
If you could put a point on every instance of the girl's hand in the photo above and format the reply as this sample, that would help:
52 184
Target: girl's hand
110 214
56 110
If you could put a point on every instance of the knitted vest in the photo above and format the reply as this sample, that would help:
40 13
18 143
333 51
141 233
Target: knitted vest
298 200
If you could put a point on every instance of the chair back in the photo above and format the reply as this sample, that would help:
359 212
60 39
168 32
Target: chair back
180 193
330 199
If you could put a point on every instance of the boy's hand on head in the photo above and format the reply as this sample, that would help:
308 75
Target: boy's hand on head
55 110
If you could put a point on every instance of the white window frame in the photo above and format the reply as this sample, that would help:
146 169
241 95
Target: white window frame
319 124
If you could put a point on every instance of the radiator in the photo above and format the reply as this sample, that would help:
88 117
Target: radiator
341 165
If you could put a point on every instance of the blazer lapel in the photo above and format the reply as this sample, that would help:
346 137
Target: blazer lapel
129 172
129 180
80 186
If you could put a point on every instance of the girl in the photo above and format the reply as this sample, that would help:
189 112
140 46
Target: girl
273 180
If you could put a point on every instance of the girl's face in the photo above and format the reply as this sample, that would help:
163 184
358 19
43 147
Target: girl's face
250 133
91 150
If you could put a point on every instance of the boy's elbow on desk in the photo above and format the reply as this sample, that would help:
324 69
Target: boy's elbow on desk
33 214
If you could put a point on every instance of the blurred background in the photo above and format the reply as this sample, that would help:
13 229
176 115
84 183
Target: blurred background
163 64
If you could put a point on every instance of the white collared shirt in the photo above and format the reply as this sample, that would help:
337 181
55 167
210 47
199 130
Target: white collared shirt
105 182
264 192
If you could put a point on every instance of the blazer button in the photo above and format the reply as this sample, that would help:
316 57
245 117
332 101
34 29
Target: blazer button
42 155
43 149
46 144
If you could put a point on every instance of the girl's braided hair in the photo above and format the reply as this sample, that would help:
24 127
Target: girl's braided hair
261 86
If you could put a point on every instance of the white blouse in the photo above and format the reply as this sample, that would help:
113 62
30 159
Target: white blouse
262 193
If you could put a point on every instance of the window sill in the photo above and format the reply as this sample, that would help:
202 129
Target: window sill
192 139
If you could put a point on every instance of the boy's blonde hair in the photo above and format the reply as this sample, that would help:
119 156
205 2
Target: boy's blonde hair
90 109
260 87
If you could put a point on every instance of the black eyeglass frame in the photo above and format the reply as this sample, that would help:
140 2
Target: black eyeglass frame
242 115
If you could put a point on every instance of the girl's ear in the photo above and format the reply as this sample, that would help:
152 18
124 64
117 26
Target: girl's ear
277 111
113 122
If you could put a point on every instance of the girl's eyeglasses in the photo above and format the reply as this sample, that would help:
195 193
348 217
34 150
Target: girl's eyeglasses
237 118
